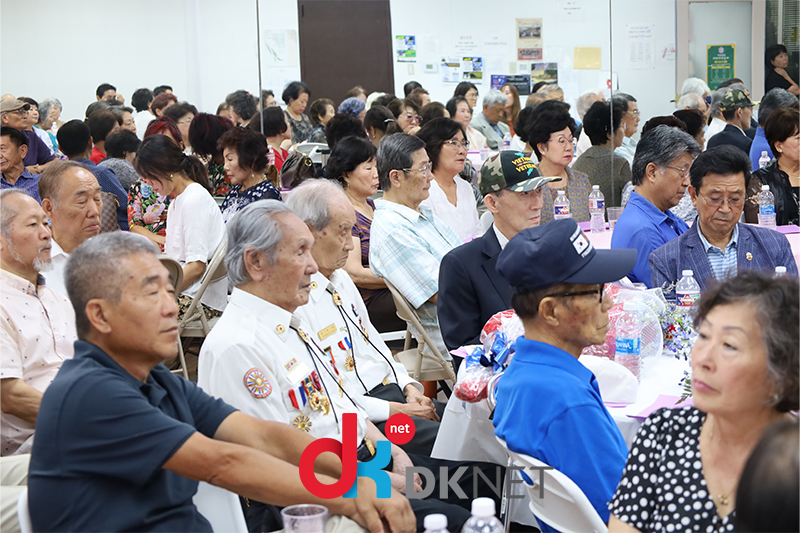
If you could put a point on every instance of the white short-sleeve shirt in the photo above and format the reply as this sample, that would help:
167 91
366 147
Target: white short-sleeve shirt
462 217
195 229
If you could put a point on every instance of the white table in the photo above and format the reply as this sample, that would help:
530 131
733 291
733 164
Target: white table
467 434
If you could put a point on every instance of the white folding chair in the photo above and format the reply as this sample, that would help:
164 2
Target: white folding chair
24 513
194 323
176 277
425 362
558 501
312 150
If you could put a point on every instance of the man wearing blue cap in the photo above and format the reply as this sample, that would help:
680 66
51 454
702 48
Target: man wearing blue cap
548 403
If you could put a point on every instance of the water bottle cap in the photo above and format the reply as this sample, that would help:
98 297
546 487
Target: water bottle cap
595 187
483 507
780 269
562 193
764 153
435 521
687 273
765 187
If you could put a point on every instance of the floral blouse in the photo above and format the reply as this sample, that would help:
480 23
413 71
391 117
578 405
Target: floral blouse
236 199
143 199
301 129
216 176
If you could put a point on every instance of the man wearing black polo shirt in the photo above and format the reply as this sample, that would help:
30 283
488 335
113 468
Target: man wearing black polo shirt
121 442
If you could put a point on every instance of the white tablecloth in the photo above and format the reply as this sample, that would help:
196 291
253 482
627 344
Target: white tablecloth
467 434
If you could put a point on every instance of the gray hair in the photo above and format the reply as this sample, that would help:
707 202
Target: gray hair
690 101
8 213
254 228
777 98
549 89
45 106
584 102
716 101
394 153
311 199
695 86
494 97
95 270
662 145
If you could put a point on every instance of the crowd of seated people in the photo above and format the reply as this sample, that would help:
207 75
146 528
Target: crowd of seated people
90 206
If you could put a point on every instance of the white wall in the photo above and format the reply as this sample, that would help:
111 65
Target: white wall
439 25
204 49
207 48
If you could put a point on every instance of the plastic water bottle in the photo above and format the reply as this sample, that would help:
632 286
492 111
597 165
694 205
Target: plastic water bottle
561 206
483 519
597 210
507 141
766 208
687 292
629 340
780 271
763 160
435 523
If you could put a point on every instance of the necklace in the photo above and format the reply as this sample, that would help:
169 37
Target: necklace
722 497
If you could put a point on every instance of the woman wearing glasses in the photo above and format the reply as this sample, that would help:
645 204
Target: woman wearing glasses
550 133
407 114
451 198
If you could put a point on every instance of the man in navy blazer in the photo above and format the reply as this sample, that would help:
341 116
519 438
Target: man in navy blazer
717 246
470 288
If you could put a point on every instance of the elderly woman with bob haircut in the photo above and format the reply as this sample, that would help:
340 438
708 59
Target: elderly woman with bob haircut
684 467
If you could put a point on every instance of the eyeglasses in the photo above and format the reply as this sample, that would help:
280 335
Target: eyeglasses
424 169
684 171
21 112
458 144
413 118
582 293
634 113
736 201
565 143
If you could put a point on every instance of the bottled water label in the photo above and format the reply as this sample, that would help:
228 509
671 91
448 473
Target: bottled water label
561 210
688 299
628 346
597 204
766 210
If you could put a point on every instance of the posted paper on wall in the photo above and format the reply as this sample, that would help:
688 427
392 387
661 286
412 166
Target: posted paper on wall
450 69
406 48
640 54
472 68
587 57
546 72
529 39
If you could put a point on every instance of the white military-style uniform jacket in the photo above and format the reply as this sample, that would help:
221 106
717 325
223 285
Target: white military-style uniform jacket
339 330
255 360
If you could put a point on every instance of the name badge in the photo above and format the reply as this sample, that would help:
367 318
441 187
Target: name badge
324 333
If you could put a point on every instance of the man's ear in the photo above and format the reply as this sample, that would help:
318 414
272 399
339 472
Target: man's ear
48 207
693 195
490 201
257 264
650 171
97 312
394 178
23 151
548 312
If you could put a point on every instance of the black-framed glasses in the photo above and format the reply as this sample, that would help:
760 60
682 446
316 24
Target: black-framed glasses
736 201
601 290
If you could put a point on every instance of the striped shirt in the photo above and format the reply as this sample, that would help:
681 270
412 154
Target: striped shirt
723 264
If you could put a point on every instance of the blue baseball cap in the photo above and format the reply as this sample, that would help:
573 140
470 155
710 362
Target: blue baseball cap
559 252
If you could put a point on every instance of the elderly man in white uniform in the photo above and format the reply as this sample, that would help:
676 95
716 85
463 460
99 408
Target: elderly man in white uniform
37 324
340 325
261 359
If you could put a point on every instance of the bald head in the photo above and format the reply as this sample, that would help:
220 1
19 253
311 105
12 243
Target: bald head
72 199
24 235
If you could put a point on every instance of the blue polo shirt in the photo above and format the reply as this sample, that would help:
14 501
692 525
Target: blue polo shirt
549 407
645 227
102 438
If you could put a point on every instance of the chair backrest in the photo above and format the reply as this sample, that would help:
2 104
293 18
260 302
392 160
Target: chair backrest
558 501
406 312
24 513
312 150
215 270
175 271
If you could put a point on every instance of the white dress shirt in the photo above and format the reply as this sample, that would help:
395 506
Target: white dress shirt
194 230
332 332
462 217
55 276
142 120
255 340
37 332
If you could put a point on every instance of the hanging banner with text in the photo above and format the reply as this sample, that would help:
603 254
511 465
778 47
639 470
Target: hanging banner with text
719 64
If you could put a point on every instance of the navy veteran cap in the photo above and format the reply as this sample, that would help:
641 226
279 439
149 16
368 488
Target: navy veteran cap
510 170
559 252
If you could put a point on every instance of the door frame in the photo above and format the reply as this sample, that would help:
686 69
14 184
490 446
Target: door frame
757 36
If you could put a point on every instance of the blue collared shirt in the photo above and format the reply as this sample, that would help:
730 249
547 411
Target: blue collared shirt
645 227
723 264
27 182
627 149
549 407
